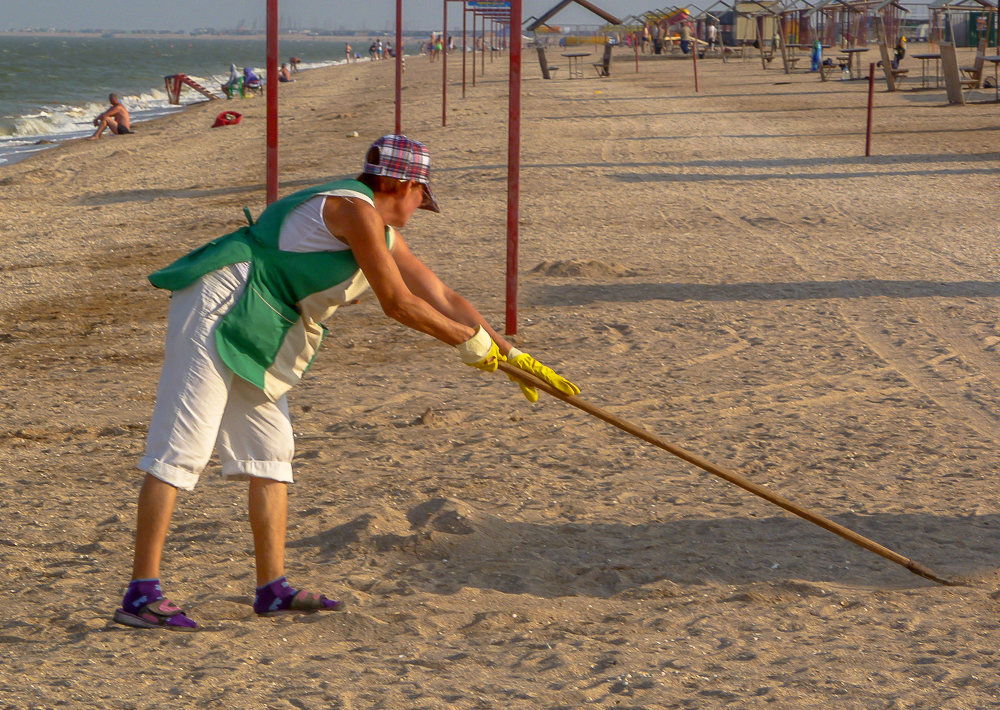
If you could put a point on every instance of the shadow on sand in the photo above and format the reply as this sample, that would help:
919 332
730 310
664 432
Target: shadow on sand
445 545
569 294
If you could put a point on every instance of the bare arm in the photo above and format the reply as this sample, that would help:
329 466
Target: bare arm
425 283
360 226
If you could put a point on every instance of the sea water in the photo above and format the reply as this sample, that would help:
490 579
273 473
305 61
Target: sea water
51 88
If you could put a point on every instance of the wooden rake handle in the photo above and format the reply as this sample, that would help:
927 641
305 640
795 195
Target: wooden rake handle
730 476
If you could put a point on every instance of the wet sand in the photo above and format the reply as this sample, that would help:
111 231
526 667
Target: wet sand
725 269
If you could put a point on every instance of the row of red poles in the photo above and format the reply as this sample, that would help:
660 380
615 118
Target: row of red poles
509 21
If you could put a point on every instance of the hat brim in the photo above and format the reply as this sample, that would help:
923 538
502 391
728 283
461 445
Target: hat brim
429 203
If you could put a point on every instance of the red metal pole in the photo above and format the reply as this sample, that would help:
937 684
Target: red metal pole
272 101
635 45
694 55
444 64
513 164
399 67
473 48
871 102
482 59
465 14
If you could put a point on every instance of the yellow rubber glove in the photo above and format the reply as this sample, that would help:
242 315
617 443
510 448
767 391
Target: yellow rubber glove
480 351
524 361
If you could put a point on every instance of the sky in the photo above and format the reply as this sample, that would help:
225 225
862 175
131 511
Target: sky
321 14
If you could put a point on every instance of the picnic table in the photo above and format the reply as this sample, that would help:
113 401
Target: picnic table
851 53
925 62
575 69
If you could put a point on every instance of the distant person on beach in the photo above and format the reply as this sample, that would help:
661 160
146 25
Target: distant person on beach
234 83
251 80
116 119
712 34
685 38
899 52
347 51
294 62
284 74
244 324
816 56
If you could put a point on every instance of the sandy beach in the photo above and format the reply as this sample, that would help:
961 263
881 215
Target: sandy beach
725 269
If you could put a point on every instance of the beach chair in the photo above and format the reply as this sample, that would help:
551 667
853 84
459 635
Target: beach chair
603 67
975 72
252 82
234 83
893 77
543 62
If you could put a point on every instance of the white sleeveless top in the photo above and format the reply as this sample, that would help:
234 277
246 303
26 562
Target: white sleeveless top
304 229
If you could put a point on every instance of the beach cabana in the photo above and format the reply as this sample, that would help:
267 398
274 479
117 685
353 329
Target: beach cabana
540 21
889 15
797 23
836 23
963 22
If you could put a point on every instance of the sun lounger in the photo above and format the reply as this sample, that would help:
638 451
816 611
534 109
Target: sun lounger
543 62
603 67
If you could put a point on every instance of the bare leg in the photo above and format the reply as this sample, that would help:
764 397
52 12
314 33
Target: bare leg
156 504
100 129
268 508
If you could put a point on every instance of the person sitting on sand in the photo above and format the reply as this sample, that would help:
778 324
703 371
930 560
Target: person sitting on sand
245 323
284 74
116 119
250 80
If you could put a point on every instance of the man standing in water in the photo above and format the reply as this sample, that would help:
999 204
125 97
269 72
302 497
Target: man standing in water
116 118
245 323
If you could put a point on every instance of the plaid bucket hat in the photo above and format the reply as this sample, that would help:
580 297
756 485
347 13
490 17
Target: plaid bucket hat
395 156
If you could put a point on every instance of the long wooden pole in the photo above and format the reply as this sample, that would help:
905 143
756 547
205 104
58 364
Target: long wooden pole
730 476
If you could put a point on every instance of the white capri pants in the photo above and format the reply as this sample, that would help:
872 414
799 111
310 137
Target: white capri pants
201 403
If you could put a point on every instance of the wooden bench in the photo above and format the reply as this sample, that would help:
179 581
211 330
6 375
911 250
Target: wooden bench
893 77
825 70
975 72
543 62
603 67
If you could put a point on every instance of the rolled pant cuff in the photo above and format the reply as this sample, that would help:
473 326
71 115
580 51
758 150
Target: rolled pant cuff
175 476
243 470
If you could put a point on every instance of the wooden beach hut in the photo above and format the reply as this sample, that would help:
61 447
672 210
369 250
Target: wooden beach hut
797 23
963 23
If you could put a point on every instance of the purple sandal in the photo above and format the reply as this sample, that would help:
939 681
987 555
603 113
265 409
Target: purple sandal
304 603
159 614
